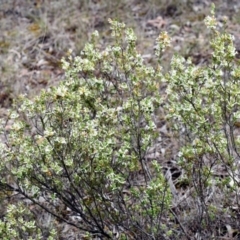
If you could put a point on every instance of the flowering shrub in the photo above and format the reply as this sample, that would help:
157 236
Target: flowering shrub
81 146
79 150
203 103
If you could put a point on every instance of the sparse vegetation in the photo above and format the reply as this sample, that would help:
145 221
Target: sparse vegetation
81 159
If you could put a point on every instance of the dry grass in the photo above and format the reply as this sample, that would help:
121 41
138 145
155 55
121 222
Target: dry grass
34 35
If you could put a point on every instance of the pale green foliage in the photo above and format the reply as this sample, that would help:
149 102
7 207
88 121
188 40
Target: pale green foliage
203 103
204 100
83 142
82 145
17 224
